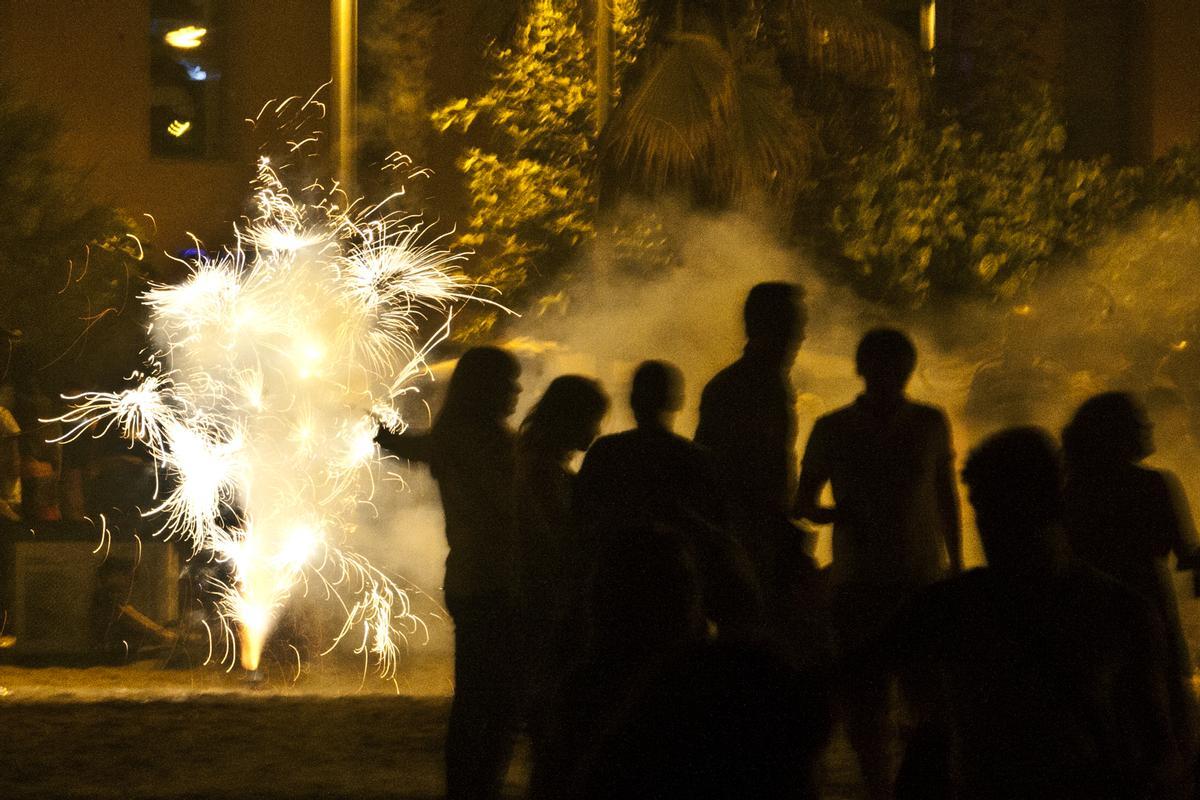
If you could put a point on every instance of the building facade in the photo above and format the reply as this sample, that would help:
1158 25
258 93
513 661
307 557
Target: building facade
153 96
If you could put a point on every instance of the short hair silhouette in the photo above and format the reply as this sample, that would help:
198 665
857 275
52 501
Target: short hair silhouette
1015 476
569 403
885 354
657 387
482 378
774 310
1109 428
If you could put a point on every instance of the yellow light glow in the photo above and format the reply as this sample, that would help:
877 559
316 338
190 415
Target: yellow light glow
1180 346
185 38
928 25
178 128
1023 310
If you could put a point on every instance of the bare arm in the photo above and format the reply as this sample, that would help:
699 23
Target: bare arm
947 500
1181 526
808 500
814 474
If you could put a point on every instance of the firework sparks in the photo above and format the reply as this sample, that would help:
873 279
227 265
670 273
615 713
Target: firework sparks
273 363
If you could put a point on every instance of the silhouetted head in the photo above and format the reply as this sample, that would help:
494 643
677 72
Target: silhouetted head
646 590
568 415
1014 482
775 317
885 359
1109 429
657 393
483 387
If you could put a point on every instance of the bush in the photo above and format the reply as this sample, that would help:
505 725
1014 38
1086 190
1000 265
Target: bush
940 210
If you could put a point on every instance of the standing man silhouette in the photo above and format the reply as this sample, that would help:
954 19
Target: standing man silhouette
895 518
748 423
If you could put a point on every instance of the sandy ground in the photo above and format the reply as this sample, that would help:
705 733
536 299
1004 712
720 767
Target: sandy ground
140 731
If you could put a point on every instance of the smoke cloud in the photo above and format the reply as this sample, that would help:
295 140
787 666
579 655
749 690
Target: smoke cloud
1124 316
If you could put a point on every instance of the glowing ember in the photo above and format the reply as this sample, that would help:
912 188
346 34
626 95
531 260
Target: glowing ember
274 361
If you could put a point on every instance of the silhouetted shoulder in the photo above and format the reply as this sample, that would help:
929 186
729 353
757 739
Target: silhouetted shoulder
728 377
931 414
613 442
949 616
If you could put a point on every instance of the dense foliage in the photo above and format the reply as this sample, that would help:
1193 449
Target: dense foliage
937 209
532 178
940 209
908 189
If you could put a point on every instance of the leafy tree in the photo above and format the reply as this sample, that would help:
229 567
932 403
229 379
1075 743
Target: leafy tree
68 267
532 179
942 210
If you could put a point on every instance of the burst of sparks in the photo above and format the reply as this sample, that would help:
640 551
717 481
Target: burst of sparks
274 362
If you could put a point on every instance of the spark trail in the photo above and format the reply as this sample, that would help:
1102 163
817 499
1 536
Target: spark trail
272 364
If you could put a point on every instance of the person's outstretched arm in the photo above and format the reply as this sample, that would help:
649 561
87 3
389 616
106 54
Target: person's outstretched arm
412 446
814 474
947 499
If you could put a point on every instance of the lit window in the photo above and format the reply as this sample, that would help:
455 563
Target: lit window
185 75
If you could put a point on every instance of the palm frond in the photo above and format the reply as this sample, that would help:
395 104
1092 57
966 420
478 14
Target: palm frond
700 121
774 144
672 117
846 40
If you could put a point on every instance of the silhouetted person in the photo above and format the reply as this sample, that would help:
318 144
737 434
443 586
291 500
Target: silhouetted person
1125 520
563 422
648 474
659 710
470 452
748 423
1036 676
890 463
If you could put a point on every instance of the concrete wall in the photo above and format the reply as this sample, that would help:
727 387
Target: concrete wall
88 61
1130 71
1173 41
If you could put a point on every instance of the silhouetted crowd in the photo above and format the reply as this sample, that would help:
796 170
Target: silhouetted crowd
658 628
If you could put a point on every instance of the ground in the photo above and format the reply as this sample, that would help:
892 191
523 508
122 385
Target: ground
143 731
140 731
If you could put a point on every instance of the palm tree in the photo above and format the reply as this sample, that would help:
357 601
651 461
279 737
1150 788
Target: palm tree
711 106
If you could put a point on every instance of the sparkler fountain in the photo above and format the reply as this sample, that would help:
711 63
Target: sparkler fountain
272 366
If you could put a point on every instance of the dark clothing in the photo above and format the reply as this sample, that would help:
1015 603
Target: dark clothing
650 476
714 720
748 423
483 714
890 473
645 476
546 543
1034 686
473 464
548 563
1125 521
473 467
